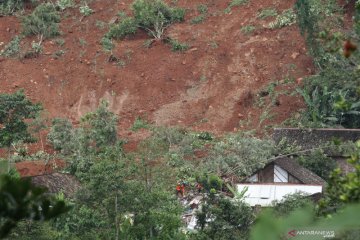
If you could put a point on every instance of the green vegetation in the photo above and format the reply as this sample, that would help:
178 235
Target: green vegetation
85 10
132 195
64 4
12 48
198 19
286 18
235 3
233 219
139 123
43 21
9 7
15 109
20 200
332 95
291 203
340 215
152 16
248 29
177 46
202 9
266 13
318 163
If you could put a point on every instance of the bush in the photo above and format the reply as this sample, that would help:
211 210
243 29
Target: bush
126 27
12 48
290 203
8 7
235 3
86 10
267 12
177 46
64 4
198 19
247 29
154 16
43 21
286 18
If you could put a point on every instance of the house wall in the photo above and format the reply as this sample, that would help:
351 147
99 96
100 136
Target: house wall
266 175
264 194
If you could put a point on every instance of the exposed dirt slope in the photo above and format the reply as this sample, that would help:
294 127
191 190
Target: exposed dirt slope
212 86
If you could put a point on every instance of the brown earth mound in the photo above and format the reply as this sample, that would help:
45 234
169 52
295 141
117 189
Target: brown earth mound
212 86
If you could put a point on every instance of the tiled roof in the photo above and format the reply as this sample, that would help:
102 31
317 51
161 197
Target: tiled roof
57 182
304 175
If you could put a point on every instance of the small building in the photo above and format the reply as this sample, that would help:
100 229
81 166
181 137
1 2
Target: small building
279 177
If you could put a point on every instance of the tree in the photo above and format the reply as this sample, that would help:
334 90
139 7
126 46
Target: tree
15 111
332 95
342 189
102 125
239 155
220 217
318 163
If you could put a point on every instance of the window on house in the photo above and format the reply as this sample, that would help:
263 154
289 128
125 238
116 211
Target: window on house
254 178
280 175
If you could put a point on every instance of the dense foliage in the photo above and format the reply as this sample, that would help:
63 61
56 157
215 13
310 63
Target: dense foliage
223 218
19 199
43 21
332 95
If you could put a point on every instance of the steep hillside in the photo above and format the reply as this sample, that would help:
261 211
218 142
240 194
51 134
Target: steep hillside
213 86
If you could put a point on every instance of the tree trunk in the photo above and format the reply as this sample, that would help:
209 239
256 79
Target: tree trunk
9 160
116 218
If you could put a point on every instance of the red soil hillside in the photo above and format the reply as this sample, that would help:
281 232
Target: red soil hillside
211 86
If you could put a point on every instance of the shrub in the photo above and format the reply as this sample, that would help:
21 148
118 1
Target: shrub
235 3
107 44
85 10
290 203
177 46
64 4
43 21
154 16
247 29
202 9
139 124
286 18
267 12
8 7
12 48
126 27
198 19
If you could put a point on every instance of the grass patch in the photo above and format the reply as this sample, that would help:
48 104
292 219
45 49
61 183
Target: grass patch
266 13
177 46
248 29
138 124
198 19
235 3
